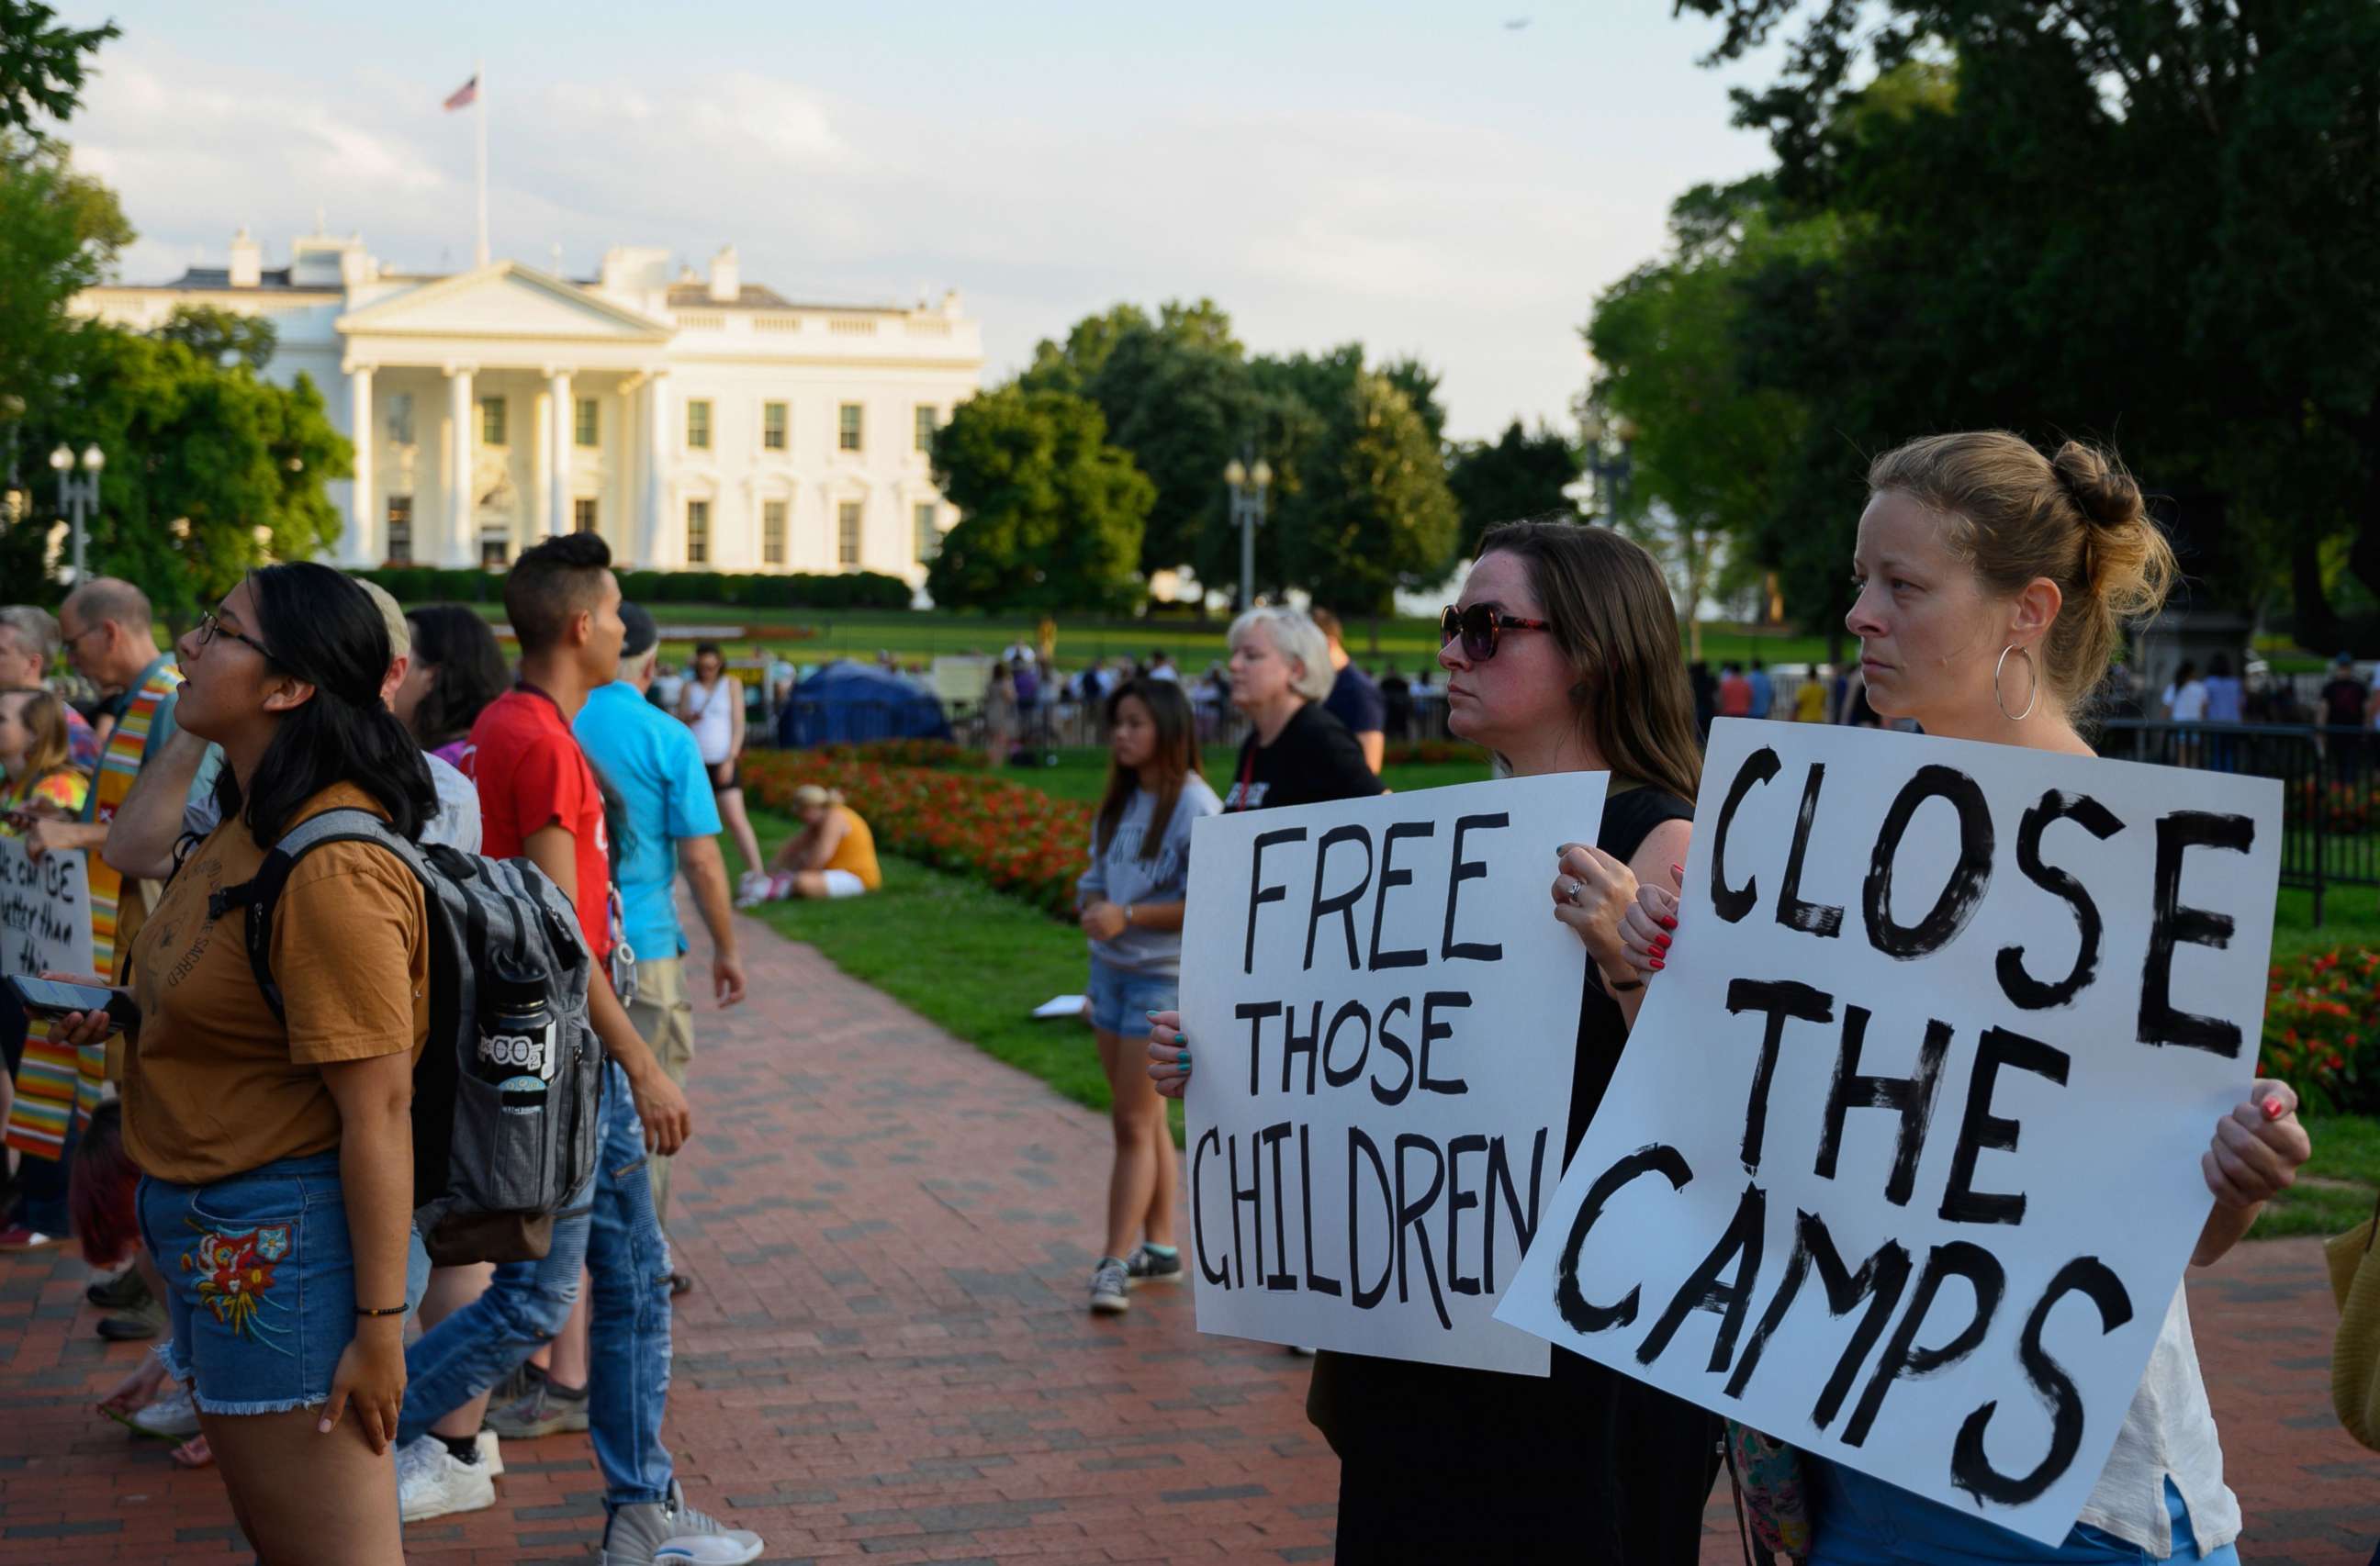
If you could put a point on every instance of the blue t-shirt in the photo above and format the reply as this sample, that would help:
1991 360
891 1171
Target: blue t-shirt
1355 701
1763 693
652 760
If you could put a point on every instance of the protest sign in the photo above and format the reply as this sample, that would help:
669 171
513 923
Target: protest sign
1901 1162
44 911
1385 1012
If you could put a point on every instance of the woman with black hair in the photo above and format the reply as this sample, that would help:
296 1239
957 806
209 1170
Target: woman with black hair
277 1150
1131 900
456 670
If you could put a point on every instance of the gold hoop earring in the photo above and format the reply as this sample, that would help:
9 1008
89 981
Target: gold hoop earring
2032 700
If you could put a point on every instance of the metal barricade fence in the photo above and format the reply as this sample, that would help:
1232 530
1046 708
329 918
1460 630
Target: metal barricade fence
2326 777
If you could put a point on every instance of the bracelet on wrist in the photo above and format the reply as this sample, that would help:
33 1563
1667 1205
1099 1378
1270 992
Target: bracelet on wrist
392 1310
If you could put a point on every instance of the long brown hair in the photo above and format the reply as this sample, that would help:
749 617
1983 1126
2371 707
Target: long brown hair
1176 755
1612 618
45 716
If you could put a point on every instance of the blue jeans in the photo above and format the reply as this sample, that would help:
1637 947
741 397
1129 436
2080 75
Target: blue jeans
610 1228
260 1283
1865 1521
1121 999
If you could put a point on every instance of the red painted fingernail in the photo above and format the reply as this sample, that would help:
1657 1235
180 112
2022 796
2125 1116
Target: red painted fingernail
1660 943
1678 871
1658 964
2274 1109
1669 924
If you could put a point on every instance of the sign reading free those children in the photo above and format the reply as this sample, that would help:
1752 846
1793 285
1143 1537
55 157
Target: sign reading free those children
1384 1012
1901 1162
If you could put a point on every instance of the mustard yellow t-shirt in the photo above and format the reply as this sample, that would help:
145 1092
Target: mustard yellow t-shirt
857 852
1810 702
214 1085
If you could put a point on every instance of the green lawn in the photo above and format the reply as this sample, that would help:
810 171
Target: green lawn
2335 1192
1082 773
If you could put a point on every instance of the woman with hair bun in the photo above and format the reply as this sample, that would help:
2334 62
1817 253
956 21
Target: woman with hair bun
1995 584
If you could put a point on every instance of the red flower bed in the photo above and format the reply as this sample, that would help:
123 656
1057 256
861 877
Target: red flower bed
1014 839
2322 1030
939 754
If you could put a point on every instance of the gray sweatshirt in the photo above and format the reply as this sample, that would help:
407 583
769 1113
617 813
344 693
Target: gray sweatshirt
1121 875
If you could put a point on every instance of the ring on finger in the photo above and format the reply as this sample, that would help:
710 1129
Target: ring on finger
1570 890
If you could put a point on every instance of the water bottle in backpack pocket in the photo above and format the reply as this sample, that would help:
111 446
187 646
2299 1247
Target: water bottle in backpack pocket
506 1094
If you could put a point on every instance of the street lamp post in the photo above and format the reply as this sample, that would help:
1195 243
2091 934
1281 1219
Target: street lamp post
1608 468
78 498
1248 482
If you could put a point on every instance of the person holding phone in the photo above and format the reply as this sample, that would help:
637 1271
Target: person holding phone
1994 585
277 1150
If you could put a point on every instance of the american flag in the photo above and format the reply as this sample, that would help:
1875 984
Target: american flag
464 95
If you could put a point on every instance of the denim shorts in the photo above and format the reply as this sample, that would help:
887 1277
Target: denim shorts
260 1283
1120 997
1865 1521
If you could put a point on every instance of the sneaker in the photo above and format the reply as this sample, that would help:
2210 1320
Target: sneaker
514 1387
1108 1281
671 1532
173 1417
16 1237
538 1412
491 1455
119 1291
754 884
680 1285
433 1482
136 1326
1145 1266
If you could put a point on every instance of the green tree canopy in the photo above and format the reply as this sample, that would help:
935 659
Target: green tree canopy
41 65
1052 513
1523 472
1373 514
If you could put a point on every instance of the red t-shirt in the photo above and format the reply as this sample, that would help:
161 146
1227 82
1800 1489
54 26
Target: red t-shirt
532 774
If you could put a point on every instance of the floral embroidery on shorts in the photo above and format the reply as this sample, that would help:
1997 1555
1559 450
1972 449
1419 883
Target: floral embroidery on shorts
234 1278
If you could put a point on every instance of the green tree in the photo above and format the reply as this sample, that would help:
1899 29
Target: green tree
221 336
1052 513
2133 219
1374 514
41 65
1523 472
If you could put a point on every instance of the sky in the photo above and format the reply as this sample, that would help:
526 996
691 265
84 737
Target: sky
1425 178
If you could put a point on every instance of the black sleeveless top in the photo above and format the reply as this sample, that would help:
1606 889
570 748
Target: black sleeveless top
1583 1464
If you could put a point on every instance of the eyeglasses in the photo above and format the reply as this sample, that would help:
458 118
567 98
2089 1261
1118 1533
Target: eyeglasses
209 627
1479 625
66 644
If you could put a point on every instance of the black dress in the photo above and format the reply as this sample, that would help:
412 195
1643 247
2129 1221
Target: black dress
1585 1466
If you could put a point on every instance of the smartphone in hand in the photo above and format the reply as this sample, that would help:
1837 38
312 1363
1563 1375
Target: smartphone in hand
50 999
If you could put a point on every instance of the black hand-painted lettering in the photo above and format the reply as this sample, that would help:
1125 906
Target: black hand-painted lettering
1732 903
1911 1098
1315 1282
1207 1270
1258 893
1778 999
1709 1289
1409 1213
1293 1044
1811 918
1970 875
1393 1045
1458 1196
2019 986
1901 1360
1351 1010
1404 957
1979 1128
1433 1030
1252 1195
1366 1298
1254 1012
1971 1467
1461 870
1569 1303
1879 1281
2161 1021
1499 1178
1340 903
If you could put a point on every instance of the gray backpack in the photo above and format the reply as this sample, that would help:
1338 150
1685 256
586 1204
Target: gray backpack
489 1179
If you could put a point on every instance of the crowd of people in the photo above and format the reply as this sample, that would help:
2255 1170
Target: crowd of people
241 1164
272 1222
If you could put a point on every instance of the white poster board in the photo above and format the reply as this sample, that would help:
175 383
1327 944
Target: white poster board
1384 1012
44 911
1901 1162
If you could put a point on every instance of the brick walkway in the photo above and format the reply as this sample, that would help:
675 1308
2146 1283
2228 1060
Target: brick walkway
886 1360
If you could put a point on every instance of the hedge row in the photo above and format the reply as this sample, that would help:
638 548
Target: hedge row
851 589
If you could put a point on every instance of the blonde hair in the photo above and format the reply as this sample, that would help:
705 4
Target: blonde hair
2014 514
811 796
1297 639
50 744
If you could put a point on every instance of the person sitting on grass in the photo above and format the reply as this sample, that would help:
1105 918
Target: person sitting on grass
833 855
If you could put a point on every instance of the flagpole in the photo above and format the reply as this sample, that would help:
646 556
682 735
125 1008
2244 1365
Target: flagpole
480 105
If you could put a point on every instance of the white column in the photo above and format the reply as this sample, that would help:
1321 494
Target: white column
565 438
363 491
463 450
653 550
541 467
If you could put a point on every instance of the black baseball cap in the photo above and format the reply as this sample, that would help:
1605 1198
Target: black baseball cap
642 632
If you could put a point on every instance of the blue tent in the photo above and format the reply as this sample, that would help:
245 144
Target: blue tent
847 703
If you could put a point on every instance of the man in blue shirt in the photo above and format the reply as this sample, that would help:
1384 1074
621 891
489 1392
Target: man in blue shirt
652 760
1764 691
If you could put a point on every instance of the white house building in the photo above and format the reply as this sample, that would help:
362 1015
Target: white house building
695 422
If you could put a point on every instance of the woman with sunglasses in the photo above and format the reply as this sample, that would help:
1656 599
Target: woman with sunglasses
1994 585
1562 658
277 1147
1295 753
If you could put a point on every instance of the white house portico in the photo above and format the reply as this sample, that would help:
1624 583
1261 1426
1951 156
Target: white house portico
695 422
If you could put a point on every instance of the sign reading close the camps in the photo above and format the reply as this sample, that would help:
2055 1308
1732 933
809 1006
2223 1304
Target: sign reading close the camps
1901 1162
44 911
1384 1012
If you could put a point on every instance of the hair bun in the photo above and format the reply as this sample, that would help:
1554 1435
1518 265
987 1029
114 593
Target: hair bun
2101 489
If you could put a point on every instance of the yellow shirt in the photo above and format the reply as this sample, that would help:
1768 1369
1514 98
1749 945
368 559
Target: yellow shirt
64 789
1810 702
857 852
